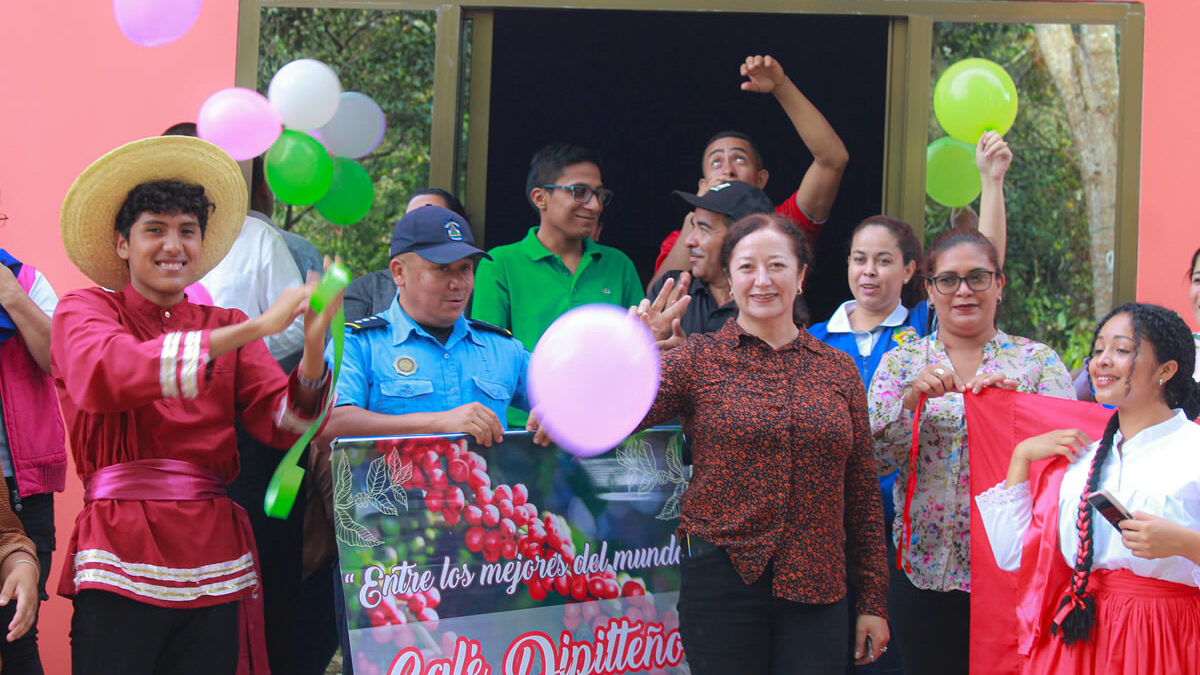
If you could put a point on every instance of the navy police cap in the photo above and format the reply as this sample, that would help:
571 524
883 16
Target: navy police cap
436 234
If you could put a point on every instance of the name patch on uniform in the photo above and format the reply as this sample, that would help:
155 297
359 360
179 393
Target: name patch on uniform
452 230
405 365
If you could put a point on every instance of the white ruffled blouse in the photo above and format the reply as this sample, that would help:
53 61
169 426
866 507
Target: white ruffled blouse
1157 471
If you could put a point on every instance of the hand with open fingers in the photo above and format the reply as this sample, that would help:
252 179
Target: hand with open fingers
676 338
540 437
976 384
936 380
291 303
875 628
1069 443
993 156
475 420
764 74
667 307
1152 537
20 575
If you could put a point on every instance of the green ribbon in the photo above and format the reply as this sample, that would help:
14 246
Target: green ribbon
285 483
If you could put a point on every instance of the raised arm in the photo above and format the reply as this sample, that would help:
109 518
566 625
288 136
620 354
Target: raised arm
820 184
993 157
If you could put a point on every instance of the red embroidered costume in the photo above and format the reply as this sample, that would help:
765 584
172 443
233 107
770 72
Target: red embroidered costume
136 383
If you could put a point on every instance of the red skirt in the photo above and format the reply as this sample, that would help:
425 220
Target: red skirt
1143 626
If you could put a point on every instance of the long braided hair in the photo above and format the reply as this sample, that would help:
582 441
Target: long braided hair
1170 340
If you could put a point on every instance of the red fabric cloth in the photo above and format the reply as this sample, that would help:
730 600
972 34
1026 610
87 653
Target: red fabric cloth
1143 626
997 420
136 382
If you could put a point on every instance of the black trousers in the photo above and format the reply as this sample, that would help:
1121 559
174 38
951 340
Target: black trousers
113 635
933 627
728 626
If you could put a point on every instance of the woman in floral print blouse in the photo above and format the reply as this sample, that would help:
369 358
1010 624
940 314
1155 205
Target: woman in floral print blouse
930 598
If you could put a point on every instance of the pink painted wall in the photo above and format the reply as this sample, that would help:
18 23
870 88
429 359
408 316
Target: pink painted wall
1167 235
73 87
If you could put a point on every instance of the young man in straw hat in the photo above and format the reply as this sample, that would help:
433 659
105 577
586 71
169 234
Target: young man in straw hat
161 563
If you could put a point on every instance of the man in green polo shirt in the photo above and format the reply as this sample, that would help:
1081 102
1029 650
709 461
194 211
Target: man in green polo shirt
557 266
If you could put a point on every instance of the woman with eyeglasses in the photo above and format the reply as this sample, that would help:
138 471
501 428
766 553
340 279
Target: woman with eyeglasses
930 599
890 307
1100 599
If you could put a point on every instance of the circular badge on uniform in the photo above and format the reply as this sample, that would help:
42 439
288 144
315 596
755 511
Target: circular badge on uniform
405 365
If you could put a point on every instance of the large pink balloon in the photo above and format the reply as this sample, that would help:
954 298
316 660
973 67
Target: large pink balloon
150 23
593 375
241 121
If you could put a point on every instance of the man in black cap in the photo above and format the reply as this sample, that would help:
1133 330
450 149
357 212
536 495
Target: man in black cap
711 303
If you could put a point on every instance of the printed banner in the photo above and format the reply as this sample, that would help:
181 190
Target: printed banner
512 560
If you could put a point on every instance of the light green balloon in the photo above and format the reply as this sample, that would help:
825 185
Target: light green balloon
298 169
350 196
951 176
974 96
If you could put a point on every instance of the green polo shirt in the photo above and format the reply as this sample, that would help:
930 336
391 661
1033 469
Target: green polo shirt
525 287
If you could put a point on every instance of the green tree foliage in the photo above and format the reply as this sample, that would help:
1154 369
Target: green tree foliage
1049 294
389 56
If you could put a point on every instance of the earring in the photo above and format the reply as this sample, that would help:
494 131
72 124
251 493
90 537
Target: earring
1160 382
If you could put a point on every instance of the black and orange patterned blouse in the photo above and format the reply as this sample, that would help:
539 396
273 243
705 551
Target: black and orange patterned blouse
783 472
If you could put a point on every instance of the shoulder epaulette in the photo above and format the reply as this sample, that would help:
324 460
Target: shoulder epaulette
489 328
359 325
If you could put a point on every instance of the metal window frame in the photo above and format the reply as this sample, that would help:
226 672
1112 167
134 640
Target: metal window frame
910 45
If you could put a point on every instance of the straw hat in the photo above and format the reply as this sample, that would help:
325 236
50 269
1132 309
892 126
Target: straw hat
89 212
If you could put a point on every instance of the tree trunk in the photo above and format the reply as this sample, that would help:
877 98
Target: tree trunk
1083 63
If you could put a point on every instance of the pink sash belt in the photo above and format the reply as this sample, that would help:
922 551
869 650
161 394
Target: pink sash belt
147 480
162 479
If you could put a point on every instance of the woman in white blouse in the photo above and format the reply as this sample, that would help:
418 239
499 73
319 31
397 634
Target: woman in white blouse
1096 599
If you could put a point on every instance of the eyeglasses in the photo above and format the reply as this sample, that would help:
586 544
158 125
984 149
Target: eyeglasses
582 193
948 284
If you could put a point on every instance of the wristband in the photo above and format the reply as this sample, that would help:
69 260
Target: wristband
28 562
311 384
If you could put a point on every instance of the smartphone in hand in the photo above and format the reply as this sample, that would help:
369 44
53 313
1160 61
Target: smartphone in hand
1108 506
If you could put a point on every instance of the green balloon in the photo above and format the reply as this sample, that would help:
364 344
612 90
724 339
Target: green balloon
974 96
298 168
951 176
350 196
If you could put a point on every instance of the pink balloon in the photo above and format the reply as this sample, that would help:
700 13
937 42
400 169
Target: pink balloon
150 23
592 377
241 121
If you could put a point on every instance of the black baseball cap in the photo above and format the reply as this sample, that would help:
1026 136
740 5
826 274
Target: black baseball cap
733 199
438 235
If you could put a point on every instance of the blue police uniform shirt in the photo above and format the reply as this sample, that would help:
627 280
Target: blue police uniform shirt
391 365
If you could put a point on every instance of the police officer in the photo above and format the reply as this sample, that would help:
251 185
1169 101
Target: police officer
421 367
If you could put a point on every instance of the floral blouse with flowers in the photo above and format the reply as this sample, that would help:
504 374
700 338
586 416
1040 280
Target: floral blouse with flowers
940 552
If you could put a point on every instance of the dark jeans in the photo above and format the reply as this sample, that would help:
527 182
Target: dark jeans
933 627
36 513
113 635
728 626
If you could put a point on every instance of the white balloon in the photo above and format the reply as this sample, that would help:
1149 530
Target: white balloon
306 93
356 128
